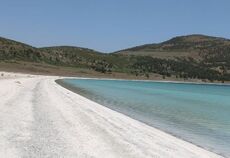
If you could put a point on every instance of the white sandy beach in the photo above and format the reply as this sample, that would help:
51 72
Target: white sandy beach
39 118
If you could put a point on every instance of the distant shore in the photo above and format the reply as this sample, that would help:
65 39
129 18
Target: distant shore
48 70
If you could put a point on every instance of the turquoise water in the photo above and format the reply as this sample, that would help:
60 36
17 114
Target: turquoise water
198 113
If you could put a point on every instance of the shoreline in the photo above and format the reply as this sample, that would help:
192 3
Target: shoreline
75 126
155 81
76 90
128 78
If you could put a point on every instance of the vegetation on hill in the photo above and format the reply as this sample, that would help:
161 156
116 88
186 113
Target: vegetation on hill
194 56
187 57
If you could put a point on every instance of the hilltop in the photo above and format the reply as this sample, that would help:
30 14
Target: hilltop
13 50
196 57
194 46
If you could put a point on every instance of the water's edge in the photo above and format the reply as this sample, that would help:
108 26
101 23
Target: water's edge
154 81
77 91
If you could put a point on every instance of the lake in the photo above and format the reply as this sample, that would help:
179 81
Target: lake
198 113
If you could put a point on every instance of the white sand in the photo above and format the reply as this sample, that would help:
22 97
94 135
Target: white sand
39 118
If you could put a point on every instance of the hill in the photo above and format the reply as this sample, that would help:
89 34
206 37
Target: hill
195 46
195 57
13 50
15 55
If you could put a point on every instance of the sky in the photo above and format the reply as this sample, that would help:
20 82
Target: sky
110 25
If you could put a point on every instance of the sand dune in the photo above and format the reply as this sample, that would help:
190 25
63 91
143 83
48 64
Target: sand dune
39 118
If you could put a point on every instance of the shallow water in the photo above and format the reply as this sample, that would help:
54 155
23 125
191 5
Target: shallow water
198 113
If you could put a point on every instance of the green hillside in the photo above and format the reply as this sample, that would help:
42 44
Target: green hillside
12 50
185 57
61 56
195 46
193 56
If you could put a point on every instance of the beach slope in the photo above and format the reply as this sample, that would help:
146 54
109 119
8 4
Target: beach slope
39 118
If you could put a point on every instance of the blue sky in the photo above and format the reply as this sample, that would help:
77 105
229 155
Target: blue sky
109 25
